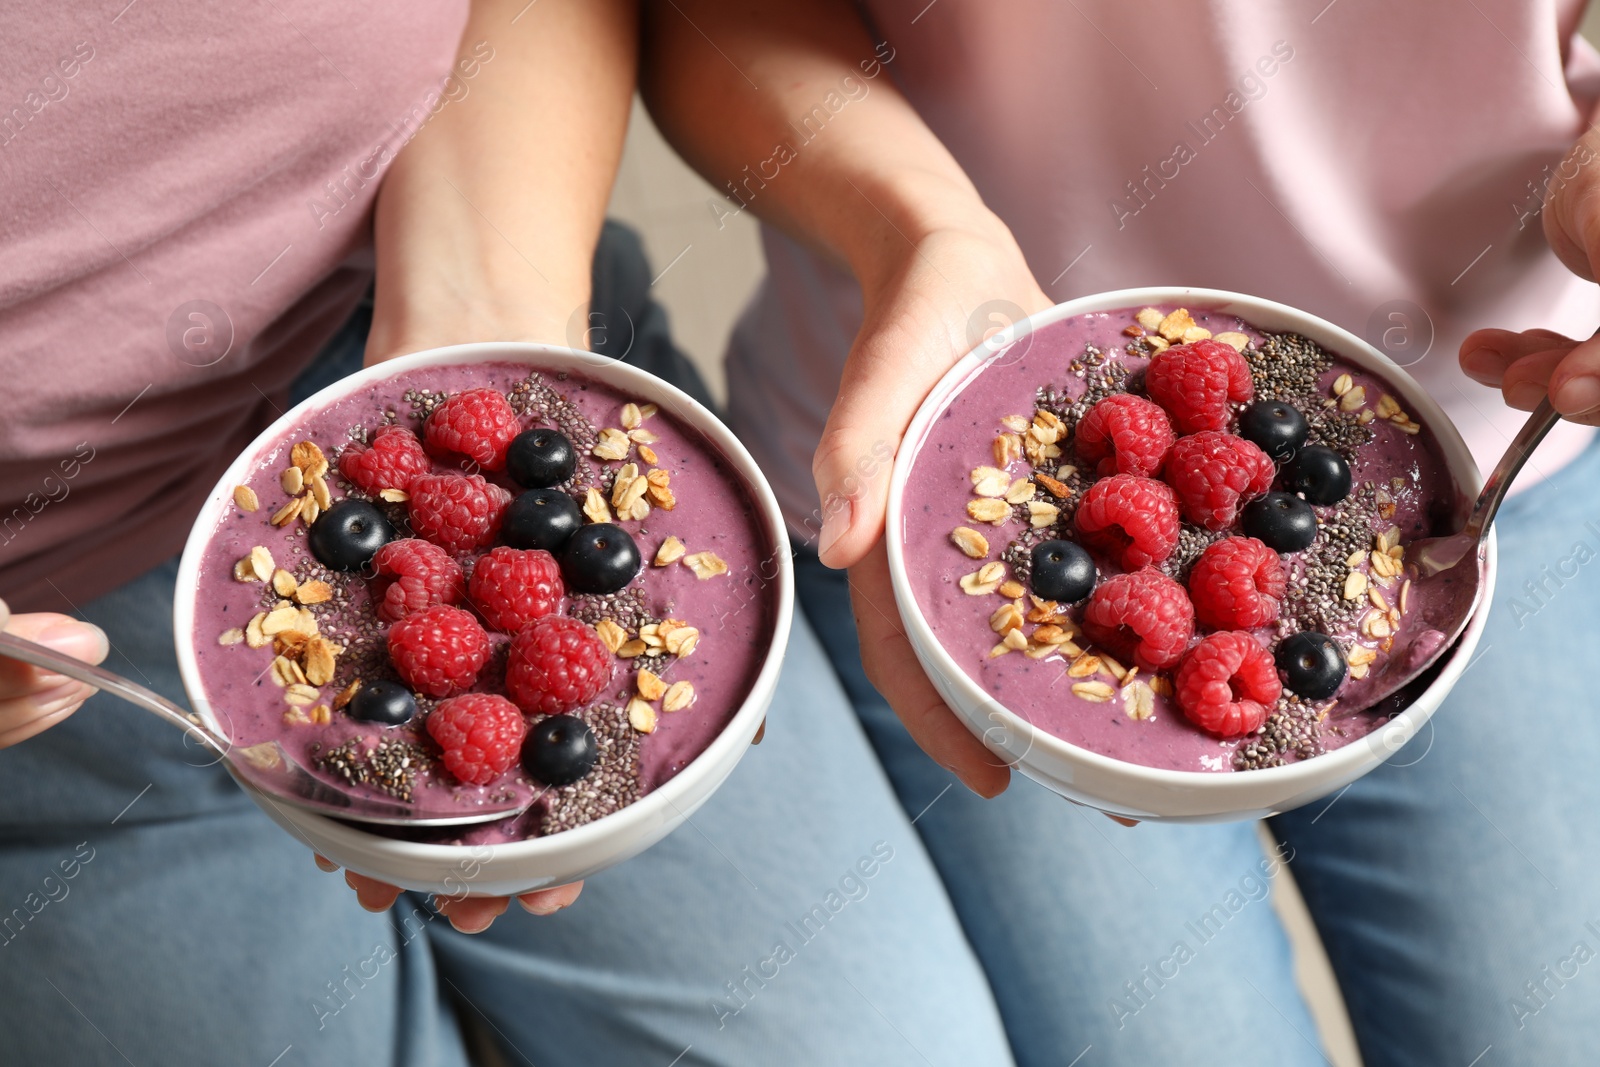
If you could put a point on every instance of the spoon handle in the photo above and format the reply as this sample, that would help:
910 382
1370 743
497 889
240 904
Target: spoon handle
13 647
1505 472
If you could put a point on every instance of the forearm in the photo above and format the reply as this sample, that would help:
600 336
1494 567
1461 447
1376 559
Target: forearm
486 223
798 120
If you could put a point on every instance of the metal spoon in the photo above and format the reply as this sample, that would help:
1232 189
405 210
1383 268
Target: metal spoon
1449 571
267 766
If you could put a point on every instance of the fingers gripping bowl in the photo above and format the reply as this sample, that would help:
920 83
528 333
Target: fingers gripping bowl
484 571
1159 531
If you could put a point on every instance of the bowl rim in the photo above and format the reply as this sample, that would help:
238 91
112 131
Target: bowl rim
1263 314
663 802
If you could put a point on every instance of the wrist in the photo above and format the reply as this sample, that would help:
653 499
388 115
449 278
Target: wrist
446 277
901 211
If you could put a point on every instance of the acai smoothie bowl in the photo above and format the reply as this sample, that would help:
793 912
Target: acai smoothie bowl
1149 546
490 573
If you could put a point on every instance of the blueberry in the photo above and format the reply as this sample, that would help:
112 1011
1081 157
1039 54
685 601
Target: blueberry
345 537
540 458
383 701
1320 473
541 518
559 750
600 558
1062 571
1275 426
1312 663
1281 521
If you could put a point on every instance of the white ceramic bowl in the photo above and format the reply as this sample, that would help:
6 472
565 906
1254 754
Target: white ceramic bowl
572 854
1129 789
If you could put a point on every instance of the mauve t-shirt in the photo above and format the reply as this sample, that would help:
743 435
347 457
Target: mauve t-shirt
185 207
1379 164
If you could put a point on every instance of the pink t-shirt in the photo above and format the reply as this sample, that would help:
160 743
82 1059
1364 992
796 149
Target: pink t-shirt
185 207
1378 164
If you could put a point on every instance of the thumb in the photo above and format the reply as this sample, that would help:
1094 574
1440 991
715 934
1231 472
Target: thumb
895 362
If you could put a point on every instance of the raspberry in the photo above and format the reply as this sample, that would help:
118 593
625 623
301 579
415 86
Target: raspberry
413 575
1143 616
438 650
1194 382
478 424
556 664
1227 683
1214 473
1236 584
458 512
1124 434
511 587
1132 520
480 733
390 460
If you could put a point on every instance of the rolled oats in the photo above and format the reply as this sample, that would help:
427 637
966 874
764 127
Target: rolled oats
670 552
288 513
705 564
990 481
1174 325
679 696
283 583
309 458
984 580
988 509
649 684
595 507
1084 666
346 695
681 640
1041 514
613 444
315 591
1006 617
1138 700
612 635
1020 492
1096 692
320 492
641 716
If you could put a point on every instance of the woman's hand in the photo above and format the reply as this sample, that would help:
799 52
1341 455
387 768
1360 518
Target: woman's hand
1530 365
941 297
33 700
468 914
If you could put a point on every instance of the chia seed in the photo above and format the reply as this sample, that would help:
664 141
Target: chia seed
1292 730
611 785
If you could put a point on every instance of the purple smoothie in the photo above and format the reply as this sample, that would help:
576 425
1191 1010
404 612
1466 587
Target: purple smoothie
713 512
1402 491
